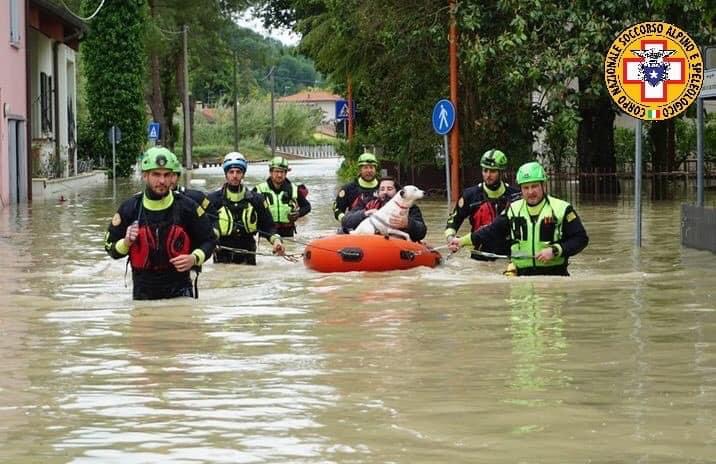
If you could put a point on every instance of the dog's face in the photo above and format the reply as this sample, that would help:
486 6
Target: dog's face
411 193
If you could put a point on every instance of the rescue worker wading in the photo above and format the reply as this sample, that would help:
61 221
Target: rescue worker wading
362 190
241 215
483 202
286 200
543 231
165 233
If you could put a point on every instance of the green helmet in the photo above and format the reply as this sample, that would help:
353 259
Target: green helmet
367 159
531 172
158 158
494 159
278 162
176 166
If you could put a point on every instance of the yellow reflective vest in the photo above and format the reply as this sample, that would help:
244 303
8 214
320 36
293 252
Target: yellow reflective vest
529 236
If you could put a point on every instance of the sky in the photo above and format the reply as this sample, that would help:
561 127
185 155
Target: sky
285 36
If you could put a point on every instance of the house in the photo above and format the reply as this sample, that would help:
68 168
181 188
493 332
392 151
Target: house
14 162
38 104
321 99
53 40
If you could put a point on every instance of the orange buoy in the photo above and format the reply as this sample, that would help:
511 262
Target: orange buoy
345 253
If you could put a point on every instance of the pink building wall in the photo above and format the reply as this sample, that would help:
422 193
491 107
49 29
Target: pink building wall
13 83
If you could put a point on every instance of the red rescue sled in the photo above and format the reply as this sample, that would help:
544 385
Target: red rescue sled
345 253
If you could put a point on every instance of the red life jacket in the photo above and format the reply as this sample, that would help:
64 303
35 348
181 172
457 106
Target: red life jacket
483 215
375 203
147 254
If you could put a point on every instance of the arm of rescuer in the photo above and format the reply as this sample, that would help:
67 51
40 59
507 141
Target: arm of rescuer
574 238
340 204
352 219
457 217
201 233
416 225
498 229
304 206
121 232
266 226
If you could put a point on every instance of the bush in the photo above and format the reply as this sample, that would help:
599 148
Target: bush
560 138
295 125
114 65
252 148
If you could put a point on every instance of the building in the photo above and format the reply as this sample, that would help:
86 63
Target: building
53 41
14 162
38 45
325 101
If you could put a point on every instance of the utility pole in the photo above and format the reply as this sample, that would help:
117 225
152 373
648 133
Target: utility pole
236 107
273 117
350 109
187 115
455 133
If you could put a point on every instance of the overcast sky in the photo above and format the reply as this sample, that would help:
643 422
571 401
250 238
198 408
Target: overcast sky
285 36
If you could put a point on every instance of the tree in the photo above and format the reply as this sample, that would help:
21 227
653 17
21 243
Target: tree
524 65
114 66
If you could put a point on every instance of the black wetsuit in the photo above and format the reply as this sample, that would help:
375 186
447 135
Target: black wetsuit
163 233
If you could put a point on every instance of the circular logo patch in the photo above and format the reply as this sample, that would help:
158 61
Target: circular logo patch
653 71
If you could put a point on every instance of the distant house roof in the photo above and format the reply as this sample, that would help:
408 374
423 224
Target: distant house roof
310 96
209 114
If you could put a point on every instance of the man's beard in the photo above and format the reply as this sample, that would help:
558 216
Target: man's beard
153 194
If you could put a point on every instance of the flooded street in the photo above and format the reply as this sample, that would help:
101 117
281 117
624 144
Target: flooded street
277 364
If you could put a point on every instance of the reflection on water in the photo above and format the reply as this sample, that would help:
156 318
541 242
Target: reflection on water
280 364
537 337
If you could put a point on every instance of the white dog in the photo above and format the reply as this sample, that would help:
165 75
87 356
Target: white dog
379 222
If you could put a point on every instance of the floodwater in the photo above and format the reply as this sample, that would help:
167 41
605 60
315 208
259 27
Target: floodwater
279 364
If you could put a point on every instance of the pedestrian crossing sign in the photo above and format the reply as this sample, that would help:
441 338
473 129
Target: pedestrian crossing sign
342 110
154 130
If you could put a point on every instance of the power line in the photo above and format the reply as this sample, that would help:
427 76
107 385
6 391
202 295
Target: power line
87 19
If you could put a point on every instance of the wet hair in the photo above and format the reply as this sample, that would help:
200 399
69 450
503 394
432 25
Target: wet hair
392 179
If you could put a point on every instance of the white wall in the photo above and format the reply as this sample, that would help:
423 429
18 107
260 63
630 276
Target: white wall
65 84
66 90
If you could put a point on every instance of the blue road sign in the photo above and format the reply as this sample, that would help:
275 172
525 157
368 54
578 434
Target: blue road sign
154 130
114 135
443 116
342 110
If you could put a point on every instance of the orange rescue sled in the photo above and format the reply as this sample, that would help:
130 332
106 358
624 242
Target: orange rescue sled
345 253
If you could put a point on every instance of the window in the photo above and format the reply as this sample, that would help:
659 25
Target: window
15 22
45 102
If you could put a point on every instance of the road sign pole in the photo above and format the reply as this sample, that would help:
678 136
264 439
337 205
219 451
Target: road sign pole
114 163
443 120
447 170
637 182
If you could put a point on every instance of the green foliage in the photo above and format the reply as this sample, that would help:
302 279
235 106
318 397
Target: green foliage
254 55
560 139
113 62
253 148
685 141
294 126
624 146
509 51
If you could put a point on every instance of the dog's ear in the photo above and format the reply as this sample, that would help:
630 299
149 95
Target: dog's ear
402 193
